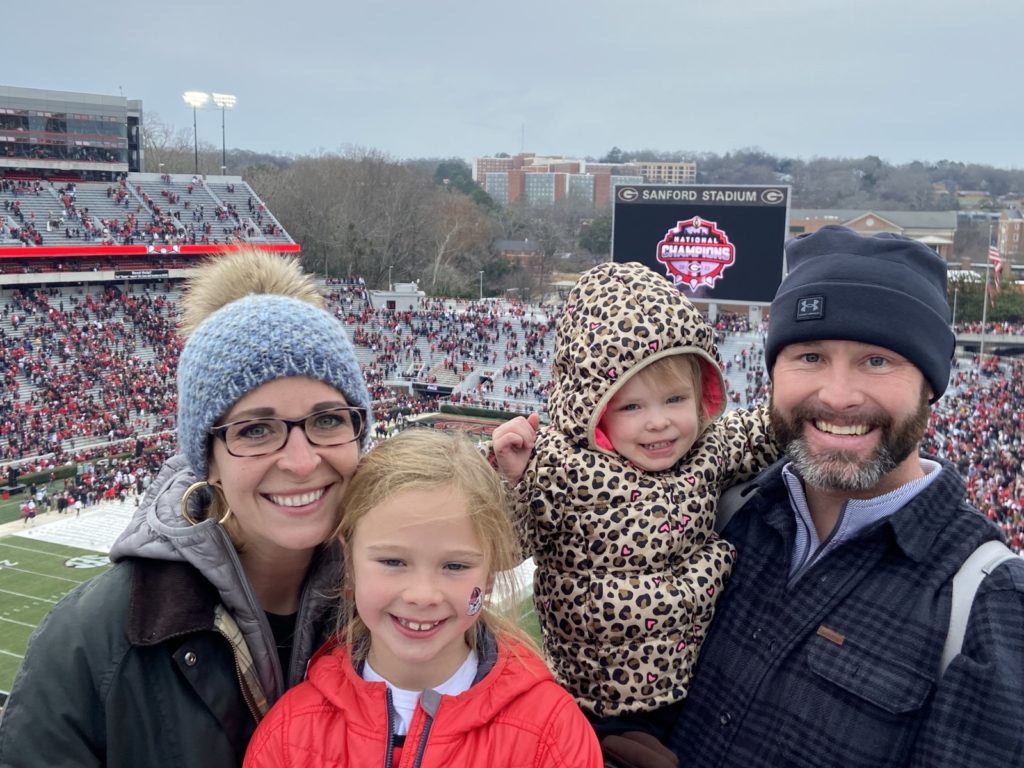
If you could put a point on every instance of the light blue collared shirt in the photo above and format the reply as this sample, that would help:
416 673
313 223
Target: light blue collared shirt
855 516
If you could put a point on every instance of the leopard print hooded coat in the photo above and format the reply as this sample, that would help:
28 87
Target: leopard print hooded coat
628 566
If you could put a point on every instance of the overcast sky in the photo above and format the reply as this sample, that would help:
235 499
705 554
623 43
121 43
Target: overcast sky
901 79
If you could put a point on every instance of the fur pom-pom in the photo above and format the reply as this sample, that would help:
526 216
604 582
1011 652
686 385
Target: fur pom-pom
227 278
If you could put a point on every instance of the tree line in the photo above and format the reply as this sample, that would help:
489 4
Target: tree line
359 212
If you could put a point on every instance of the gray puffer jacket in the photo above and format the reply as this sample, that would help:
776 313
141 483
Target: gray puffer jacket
164 660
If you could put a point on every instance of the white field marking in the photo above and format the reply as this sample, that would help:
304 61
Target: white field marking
10 653
19 623
42 575
6 545
96 530
28 597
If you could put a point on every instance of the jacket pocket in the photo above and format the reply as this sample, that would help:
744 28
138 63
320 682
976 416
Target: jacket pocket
883 682
865 699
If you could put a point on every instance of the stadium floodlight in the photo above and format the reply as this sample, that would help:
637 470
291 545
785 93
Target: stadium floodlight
225 101
196 100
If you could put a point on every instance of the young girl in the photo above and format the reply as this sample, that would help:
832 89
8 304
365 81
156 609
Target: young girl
422 671
617 497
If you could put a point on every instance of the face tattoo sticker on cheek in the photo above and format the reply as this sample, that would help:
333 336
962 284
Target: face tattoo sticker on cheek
476 602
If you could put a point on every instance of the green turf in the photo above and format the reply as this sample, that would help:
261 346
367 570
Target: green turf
528 621
34 575
11 508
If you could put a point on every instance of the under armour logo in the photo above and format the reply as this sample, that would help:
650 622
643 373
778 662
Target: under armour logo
810 308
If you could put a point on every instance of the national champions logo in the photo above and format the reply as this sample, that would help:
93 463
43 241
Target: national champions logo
696 252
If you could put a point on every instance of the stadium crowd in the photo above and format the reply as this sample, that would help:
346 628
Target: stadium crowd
87 370
980 427
132 213
83 359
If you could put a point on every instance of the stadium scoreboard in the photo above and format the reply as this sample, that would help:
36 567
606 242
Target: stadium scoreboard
716 243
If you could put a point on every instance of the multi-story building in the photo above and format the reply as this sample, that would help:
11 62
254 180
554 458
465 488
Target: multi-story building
580 187
495 184
936 229
543 188
543 180
612 169
484 165
60 133
656 172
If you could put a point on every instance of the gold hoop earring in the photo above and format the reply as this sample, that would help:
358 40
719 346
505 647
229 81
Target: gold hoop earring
199 485
219 492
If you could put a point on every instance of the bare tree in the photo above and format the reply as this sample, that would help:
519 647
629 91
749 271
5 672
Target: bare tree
460 230
173 150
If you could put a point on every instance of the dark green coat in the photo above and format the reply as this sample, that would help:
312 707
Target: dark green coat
128 671
135 667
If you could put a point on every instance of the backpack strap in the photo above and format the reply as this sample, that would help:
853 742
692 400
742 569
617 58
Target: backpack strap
985 559
729 503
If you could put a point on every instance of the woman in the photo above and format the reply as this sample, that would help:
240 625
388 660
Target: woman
222 586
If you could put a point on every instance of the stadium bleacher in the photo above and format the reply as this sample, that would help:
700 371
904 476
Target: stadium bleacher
88 349
143 209
88 367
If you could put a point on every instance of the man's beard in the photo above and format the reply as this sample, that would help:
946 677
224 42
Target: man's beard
843 470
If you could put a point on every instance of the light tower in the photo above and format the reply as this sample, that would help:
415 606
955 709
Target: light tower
196 100
225 101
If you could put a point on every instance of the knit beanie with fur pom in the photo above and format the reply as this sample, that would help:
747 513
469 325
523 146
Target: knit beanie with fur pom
249 318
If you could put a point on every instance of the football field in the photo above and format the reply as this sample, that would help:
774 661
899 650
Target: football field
34 575
40 564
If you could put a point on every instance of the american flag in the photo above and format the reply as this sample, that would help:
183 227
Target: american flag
997 262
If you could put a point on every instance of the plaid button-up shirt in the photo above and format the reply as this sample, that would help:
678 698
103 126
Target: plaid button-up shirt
841 669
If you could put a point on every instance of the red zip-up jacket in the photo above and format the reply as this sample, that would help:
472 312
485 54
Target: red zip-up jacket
515 715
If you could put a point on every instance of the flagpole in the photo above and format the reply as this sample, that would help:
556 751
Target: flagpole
984 303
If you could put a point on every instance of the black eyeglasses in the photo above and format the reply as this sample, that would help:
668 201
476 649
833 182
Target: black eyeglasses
258 437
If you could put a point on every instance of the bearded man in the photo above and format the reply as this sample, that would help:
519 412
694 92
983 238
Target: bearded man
825 650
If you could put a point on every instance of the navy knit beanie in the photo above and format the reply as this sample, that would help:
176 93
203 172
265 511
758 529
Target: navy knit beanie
884 289
253 340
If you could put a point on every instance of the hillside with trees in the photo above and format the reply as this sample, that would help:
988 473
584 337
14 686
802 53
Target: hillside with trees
360 212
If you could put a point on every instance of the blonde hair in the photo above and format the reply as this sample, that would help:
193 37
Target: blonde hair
422 458
676 370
